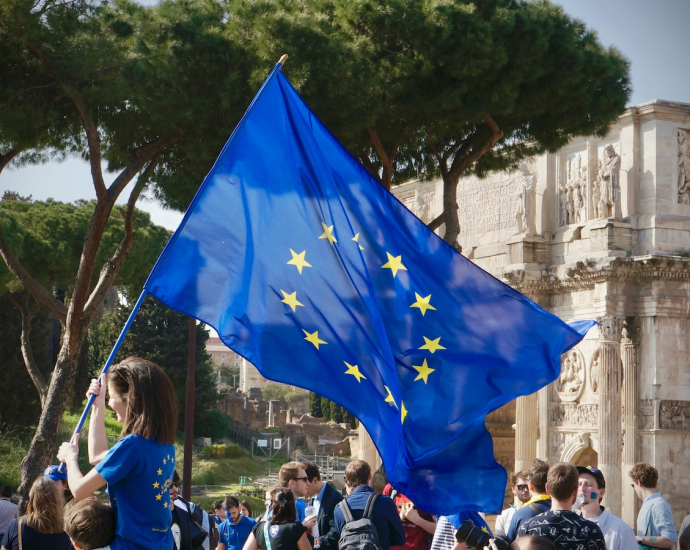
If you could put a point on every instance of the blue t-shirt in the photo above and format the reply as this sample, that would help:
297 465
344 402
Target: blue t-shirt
139 473
301 507
234 535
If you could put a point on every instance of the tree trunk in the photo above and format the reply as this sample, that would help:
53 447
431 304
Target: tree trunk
42 448
450 210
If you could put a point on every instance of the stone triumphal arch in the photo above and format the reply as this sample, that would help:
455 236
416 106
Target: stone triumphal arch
599 230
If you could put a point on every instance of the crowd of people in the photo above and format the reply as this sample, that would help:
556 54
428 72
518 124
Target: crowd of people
557 507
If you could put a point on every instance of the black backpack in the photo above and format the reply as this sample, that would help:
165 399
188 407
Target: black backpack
199 534
359 534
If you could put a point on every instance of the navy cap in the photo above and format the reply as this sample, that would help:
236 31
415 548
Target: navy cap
53 472
595 472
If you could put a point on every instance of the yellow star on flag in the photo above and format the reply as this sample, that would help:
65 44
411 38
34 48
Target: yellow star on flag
328 233
164 461
356 239
158 497
432 345
298 260
291 300
389 398
172 460
424 371
156 485
394 263
485 530
423 303
314 338
403 413
165 505
160 472
354 371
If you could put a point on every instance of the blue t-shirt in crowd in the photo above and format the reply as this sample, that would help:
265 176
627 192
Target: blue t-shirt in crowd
139 473
234 535
301 507
33 540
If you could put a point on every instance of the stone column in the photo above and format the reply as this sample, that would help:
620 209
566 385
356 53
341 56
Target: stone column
367 449
629 350
526 431
610 432
543 429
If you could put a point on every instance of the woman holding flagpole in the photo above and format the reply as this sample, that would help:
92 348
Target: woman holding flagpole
139 467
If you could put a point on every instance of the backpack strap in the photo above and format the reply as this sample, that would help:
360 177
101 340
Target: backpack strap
369 508
535 508
345 509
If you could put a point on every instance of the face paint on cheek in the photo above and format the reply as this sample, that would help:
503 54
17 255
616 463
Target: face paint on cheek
593 495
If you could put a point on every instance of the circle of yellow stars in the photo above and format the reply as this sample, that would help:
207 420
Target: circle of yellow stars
422 304
163 489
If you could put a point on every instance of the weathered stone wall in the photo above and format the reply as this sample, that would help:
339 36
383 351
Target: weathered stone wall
599 230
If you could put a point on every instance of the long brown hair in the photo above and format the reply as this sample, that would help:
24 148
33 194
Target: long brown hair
150 398
283 505
44 510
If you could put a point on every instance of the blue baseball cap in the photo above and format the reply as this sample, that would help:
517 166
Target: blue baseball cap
53 472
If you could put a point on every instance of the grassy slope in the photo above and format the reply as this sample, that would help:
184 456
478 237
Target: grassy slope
217 477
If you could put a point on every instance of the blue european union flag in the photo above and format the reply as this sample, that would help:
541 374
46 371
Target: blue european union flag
311 270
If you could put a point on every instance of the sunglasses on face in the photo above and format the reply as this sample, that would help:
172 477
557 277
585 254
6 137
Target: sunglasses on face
522 487
305 478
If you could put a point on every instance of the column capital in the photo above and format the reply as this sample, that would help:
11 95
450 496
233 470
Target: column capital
610 328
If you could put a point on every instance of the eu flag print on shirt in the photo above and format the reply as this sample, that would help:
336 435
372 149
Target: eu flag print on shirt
139 473
311 270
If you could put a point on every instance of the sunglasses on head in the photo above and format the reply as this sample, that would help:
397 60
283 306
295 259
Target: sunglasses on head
522 487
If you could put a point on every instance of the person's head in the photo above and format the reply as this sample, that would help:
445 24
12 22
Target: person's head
357 474
175 486
537 476
218 509
246 508
561 482
532 542
232 508
283 505
44 509
519 483
268 498
592 485
60 478
293 476
313 476
644 475
144 400
90 523
6 491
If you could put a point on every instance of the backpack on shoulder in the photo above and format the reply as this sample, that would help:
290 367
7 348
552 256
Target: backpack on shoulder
359 534
205 535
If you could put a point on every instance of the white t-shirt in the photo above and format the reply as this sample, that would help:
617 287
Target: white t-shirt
617 534
503 521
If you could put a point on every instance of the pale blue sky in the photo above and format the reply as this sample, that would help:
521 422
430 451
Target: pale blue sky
652 34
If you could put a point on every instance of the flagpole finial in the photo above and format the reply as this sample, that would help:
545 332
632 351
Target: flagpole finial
283 59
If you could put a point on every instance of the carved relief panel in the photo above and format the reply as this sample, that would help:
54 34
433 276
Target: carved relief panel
646 414
674 415
574 189
574 415
571 382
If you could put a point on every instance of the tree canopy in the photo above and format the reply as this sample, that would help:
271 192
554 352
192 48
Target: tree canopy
427 88
413 88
